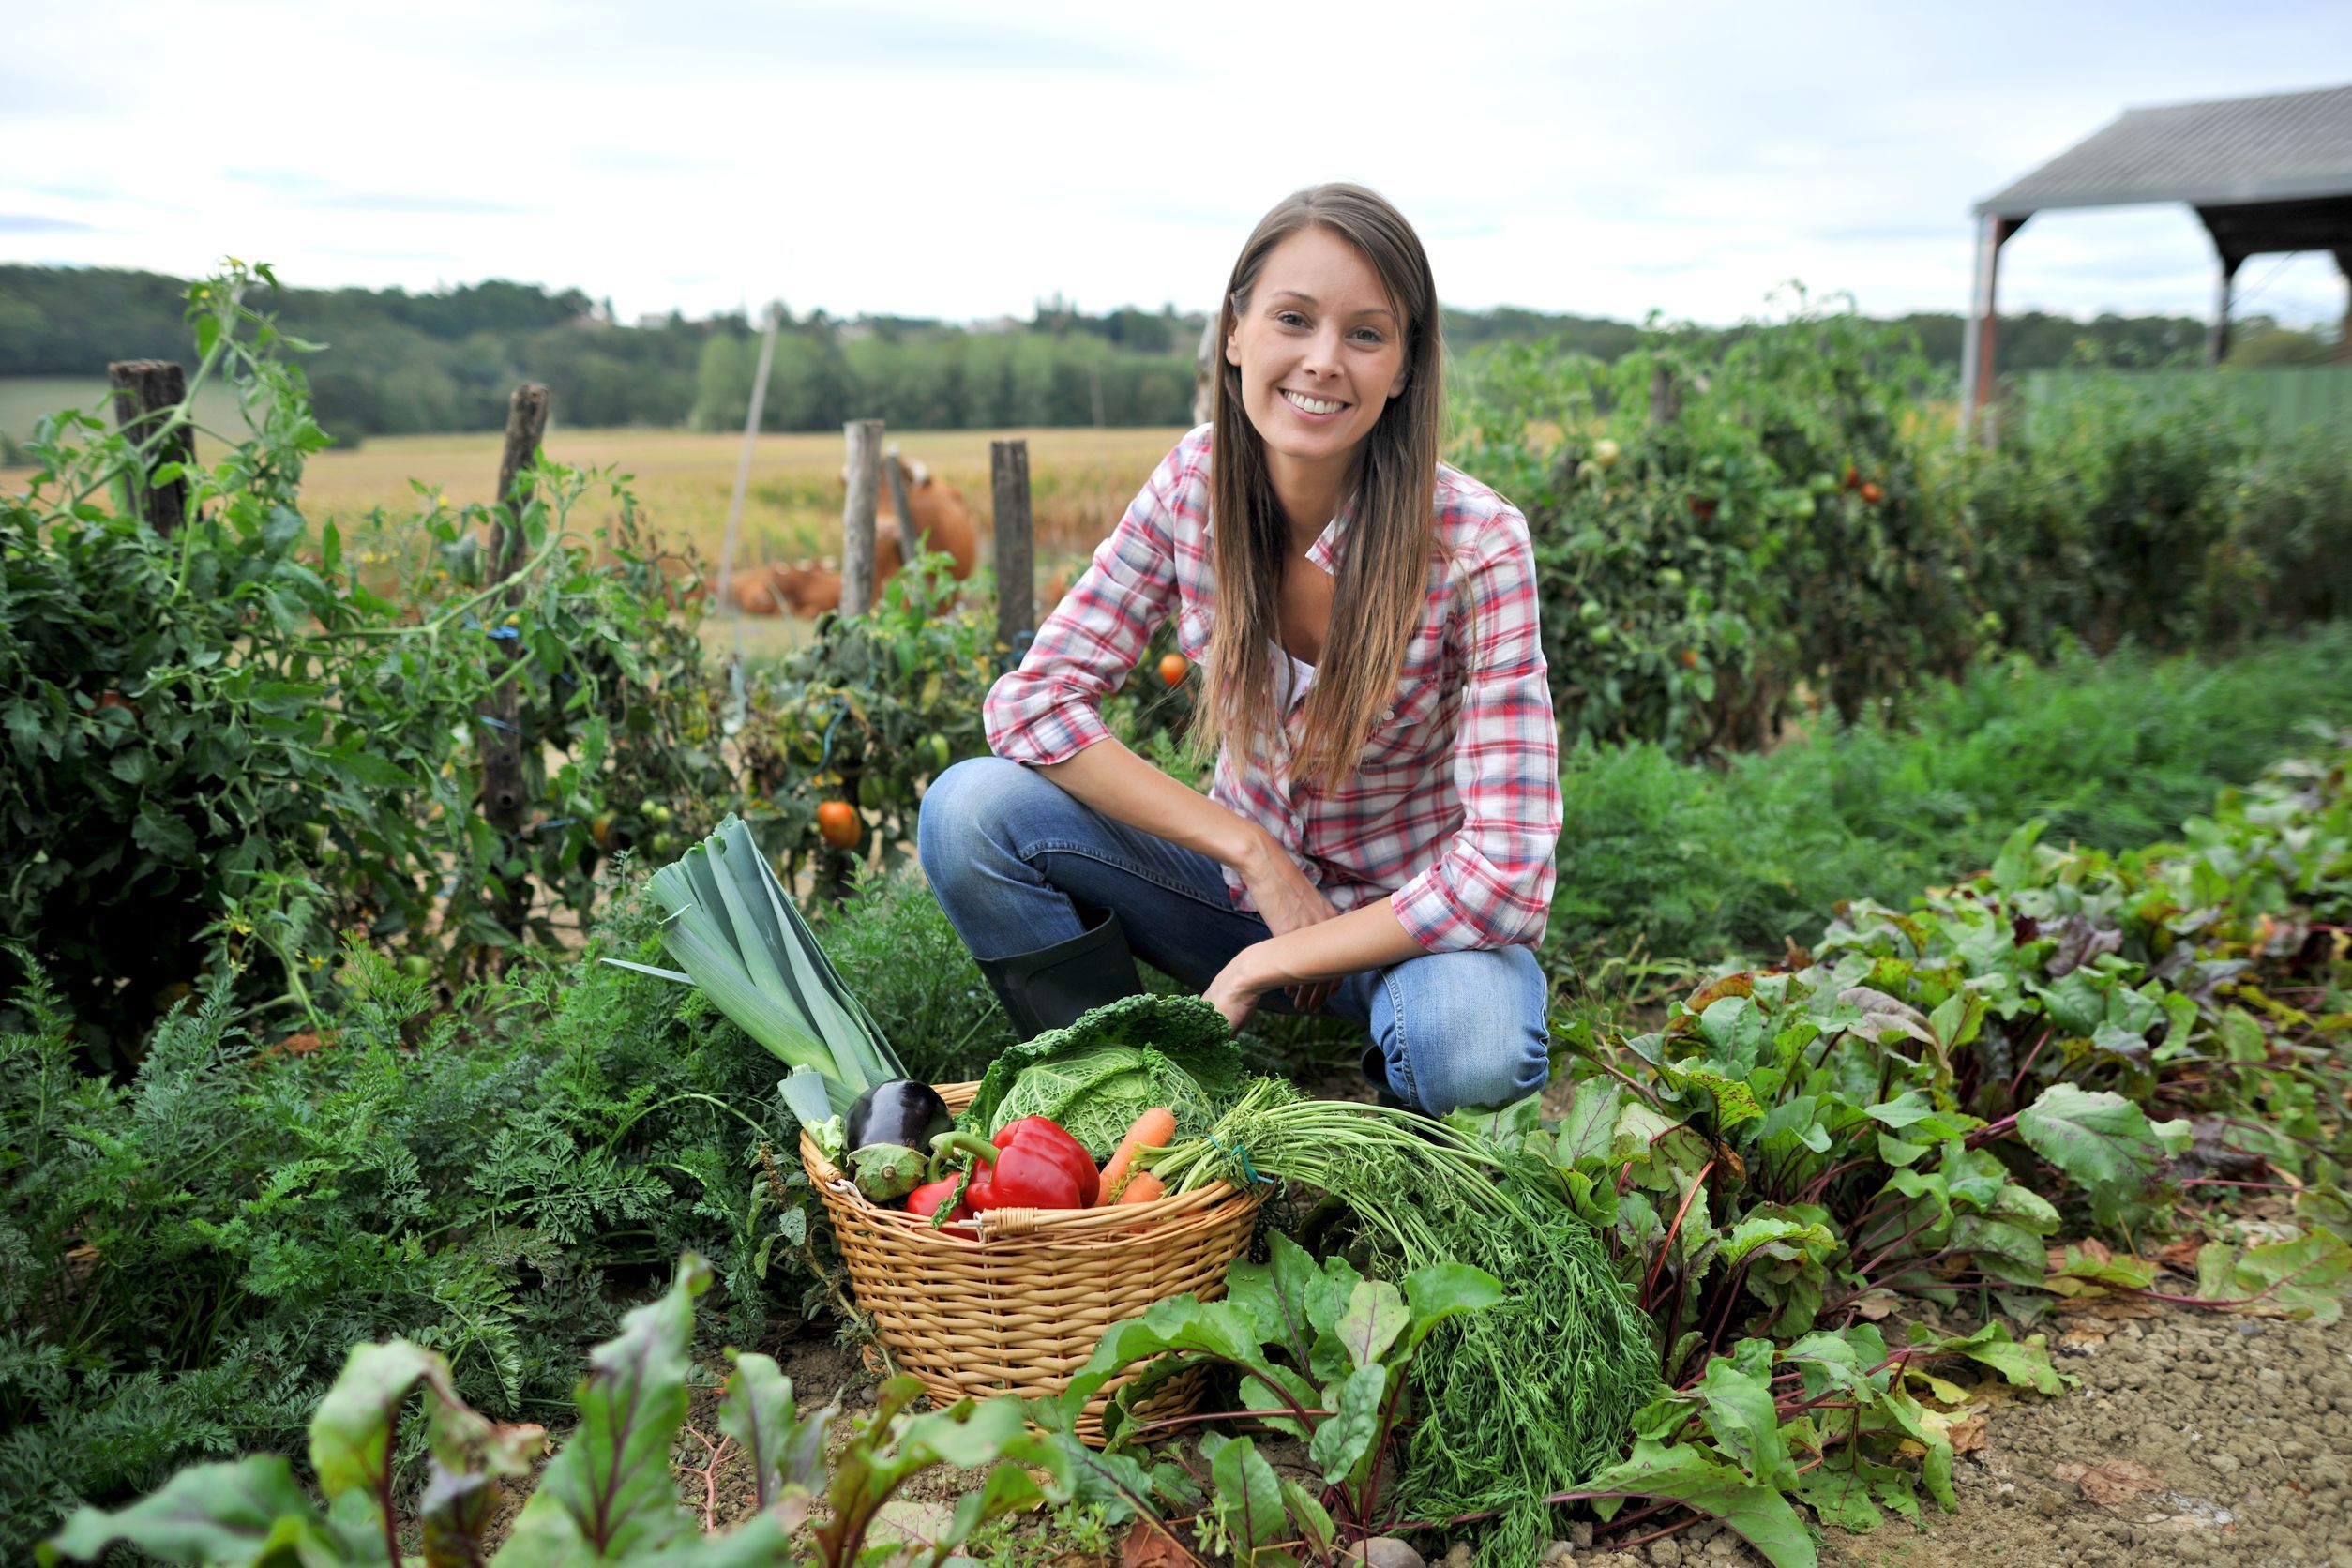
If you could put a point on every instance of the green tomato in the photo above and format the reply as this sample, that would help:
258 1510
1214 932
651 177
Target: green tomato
933 749
417 967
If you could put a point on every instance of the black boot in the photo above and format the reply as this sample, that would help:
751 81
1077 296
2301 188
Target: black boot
1050 988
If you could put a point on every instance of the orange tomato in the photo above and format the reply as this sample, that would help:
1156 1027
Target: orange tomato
1172 670
1853 476
838 820
1871 495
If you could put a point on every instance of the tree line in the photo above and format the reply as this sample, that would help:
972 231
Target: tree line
400 363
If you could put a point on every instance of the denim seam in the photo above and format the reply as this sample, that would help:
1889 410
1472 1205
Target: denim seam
1086 851
1401 1061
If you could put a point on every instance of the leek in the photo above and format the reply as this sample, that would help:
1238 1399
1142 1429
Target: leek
735 933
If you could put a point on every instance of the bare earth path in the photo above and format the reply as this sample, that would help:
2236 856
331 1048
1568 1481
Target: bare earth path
2196 1438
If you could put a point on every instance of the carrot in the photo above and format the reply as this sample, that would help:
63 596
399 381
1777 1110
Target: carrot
1142 1187
1155 1129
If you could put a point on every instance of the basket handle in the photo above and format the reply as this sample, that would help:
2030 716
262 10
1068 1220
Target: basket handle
1008 1223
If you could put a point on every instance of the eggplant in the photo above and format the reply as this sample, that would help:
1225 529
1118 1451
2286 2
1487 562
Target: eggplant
888 1133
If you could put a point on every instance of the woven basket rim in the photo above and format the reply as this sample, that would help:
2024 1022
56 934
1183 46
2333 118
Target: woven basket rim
1072 1224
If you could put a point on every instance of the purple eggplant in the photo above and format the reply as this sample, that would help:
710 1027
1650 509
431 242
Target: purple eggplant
888 1133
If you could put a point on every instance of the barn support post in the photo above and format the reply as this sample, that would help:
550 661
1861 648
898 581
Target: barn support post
2217 341
2344 336
145 393
865 438
1015 560
503 794
1979 358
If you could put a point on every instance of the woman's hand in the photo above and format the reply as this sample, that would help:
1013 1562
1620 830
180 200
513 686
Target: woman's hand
1237 989
1286 902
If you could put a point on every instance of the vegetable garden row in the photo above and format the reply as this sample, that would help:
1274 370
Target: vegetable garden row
1741 1261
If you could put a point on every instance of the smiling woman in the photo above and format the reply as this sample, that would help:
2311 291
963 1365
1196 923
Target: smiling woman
1377 842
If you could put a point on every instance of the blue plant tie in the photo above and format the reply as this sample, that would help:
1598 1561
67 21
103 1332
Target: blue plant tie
499 724
1238 1153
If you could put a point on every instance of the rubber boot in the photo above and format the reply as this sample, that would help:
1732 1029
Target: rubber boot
1051 987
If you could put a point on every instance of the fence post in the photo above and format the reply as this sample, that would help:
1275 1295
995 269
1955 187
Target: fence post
1666 395
144 390
503 794
909 548
1015 561
857 515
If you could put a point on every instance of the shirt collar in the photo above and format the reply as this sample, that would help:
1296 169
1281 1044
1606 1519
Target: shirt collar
1328 546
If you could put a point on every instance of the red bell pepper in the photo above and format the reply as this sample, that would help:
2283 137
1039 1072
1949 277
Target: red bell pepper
925 1200
1031 1164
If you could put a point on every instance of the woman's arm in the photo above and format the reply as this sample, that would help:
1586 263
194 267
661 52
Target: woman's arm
1371 937
1126 788
1492 885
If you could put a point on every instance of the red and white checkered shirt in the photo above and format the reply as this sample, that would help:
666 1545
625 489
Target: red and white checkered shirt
1453 812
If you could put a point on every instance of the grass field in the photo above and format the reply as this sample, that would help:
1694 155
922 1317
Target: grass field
1080 480
26 400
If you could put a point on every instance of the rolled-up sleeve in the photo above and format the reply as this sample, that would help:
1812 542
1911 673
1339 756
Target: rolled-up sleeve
1047 710
1492 886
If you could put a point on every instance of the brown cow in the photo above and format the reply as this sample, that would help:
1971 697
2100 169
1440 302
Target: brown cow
752 591
805 589
940 516
942 519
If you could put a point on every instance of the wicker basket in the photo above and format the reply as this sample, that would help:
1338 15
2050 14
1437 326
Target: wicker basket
1013 1302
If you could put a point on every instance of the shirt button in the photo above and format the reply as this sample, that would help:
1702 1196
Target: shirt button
1387 714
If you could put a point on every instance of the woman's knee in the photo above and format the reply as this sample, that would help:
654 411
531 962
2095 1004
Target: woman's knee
968 805
1464 1028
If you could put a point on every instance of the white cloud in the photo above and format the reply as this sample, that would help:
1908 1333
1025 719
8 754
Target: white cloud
943 158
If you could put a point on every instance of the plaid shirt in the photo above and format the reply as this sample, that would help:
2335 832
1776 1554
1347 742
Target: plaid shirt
1452 811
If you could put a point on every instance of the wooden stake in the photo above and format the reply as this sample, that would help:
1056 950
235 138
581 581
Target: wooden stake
144 391
857 515
742 479
1015 561
503 787
1665 396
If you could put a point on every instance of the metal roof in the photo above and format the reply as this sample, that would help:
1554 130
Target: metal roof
2281 147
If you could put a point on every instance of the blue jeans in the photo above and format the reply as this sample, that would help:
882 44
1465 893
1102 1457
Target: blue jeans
1013 857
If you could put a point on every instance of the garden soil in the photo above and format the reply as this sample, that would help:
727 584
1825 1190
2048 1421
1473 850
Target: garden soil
2194 1438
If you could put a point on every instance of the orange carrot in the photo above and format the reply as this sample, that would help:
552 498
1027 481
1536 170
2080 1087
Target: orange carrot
1142 1187
1155 1129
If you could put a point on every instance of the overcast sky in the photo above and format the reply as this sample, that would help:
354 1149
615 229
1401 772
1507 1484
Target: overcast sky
964 159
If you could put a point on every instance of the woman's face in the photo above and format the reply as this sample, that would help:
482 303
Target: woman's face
1320 351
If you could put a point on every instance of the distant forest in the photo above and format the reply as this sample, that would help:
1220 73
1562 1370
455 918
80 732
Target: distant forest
400 363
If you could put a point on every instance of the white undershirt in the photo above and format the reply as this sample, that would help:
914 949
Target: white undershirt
1292 676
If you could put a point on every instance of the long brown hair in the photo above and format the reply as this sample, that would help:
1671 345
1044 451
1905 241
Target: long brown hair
1391 534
